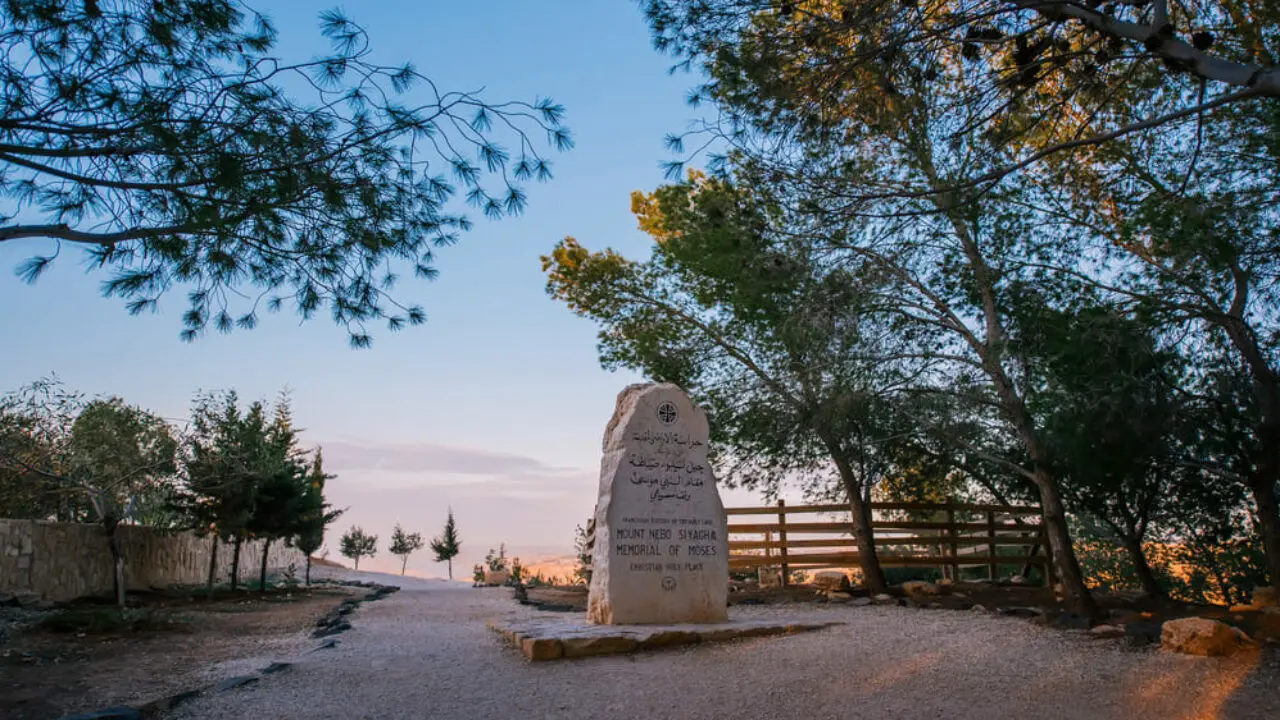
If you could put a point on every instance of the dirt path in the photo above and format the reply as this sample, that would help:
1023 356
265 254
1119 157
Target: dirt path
44 674
425 653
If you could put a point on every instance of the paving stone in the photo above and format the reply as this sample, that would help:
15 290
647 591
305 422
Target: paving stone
542 648
573 637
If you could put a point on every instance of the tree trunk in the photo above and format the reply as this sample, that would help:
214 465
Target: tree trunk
117 560
1268 507
213 564
262 575
450 562
1266 389
860 513
235 562
357 567
1146 577
308 569
404 562
1062 554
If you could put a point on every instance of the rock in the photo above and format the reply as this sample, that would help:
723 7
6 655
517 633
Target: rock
1265 597
1107 632
917 588
26 599
1023 612
588 646
883 599
978 608
161 706
769 578
946 582
838 597
111 713
1241 608
831 580
541 648
235 682
333 629
1058 589
276 667
669 638
1018 580
496 577
1142 633
330 643
862 602
661 553
1201 636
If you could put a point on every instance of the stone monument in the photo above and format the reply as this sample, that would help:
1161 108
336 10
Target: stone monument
661 553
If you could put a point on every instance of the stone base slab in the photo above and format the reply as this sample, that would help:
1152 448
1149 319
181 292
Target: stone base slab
574 637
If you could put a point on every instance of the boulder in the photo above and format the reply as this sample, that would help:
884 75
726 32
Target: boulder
769 578
920 588
831 580
1265 597
1201 636
862 602
1107 632
978 608
838 597
883 599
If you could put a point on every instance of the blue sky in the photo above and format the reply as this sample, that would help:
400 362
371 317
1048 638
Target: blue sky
497 405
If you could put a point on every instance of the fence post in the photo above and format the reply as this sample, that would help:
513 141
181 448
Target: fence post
991 545
951 534
782 541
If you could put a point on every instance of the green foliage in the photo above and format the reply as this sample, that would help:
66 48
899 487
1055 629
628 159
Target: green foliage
447 545
315 514
404 544
583 549
357 544
168 140
496 561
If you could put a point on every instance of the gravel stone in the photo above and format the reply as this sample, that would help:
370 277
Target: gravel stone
425 652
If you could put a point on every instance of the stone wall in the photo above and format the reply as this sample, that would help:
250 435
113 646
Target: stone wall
64 561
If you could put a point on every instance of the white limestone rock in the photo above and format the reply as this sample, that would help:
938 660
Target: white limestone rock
661 554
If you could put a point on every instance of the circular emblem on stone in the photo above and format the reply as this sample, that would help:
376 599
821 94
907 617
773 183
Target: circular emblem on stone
668 583
667 413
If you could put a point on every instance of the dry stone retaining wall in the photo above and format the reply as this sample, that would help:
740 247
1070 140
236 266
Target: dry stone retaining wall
64 561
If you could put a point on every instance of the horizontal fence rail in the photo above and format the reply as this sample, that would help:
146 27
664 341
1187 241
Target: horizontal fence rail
948 536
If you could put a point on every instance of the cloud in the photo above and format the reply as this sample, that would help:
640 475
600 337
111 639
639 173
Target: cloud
422 458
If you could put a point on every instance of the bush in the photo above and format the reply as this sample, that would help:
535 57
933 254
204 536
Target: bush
104 621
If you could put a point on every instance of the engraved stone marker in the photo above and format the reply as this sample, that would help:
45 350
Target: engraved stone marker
661 555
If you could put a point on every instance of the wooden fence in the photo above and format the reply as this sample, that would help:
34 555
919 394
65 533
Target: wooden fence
943 535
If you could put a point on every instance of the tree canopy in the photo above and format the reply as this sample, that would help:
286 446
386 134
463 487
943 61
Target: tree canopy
169 142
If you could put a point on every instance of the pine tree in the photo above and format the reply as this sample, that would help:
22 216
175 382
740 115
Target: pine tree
219 492
404 544
315 514
281 484
446 546
356 544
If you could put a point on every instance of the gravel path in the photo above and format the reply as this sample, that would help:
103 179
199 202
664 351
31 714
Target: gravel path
425 653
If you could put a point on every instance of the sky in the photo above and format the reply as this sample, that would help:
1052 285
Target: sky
497 405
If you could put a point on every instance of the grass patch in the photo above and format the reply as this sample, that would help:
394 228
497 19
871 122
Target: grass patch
112 621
